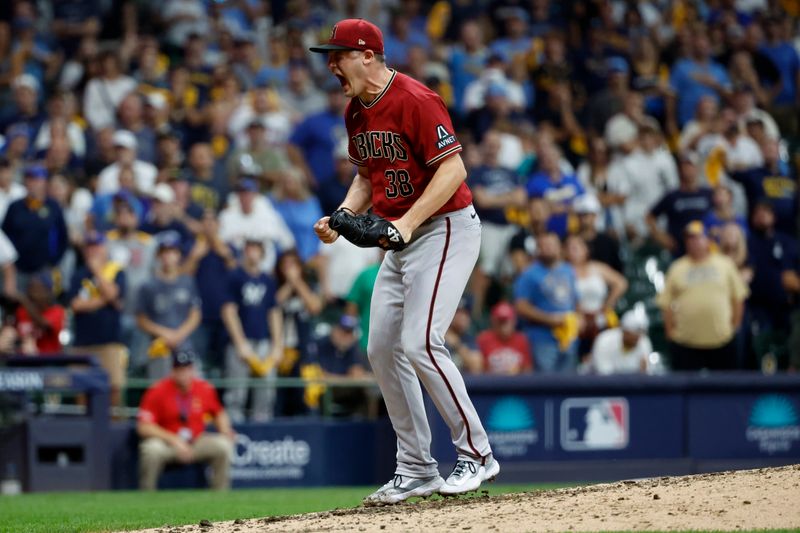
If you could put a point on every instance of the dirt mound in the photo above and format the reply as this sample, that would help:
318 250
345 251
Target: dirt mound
748 499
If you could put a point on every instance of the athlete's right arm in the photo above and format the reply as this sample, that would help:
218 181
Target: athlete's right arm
358 200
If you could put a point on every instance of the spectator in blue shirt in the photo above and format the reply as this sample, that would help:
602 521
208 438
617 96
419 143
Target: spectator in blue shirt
338 356
73 21
332 192
772 183
238 16
781 51
169 307
696 76
32 51
546 300
16 146
255 324
400 38
495 188
687 203
722 213
102 211
209 184
554 186
130 117
97 292
299 209
517 41
25 109
275 71
162 216
35 225
315 139
771 253
467 60
211 260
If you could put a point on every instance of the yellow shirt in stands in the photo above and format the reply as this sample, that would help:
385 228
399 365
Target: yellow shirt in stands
701 295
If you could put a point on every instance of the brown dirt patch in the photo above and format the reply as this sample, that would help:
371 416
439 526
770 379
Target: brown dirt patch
750 499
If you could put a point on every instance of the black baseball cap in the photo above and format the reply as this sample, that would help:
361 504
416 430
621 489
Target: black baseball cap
183 357
352 34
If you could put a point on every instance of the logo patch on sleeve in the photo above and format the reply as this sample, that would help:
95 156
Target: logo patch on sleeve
445 138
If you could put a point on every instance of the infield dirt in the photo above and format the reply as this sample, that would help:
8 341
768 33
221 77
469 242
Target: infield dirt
743 500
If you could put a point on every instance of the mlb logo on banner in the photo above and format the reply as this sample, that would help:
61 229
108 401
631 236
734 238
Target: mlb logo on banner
590 424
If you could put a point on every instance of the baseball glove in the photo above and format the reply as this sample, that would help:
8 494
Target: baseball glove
366 230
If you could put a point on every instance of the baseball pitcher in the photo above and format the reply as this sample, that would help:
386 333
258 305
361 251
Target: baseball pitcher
410 173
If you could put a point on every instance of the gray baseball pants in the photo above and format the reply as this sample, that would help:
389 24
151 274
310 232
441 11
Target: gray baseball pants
414 301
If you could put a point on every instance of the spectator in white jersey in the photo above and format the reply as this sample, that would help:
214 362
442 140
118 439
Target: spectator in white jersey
623 350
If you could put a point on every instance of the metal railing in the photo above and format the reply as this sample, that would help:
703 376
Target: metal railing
326 403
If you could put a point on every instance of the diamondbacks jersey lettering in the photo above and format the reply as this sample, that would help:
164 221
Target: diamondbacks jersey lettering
401 137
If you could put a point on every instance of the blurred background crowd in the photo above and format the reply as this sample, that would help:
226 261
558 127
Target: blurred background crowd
633 162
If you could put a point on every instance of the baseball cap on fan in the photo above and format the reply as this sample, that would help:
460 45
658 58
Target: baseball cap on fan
352 34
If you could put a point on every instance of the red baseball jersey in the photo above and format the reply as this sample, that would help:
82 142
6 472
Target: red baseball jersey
166 405
401 137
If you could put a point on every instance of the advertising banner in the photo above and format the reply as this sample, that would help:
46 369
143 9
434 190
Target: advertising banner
744 425
277 455
310 453
534 427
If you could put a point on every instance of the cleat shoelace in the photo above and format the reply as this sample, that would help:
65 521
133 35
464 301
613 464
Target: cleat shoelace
461 468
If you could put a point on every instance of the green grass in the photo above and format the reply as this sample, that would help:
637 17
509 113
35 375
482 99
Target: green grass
115 511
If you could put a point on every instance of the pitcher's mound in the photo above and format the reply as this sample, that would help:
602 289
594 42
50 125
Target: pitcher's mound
751 499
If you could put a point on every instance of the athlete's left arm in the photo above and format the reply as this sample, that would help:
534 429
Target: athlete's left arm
446 180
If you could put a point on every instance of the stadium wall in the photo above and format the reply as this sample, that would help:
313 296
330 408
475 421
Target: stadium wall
542 428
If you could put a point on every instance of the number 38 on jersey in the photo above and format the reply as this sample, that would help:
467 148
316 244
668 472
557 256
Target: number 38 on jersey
398 183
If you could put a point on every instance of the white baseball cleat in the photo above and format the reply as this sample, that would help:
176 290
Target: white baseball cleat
401 488
467 476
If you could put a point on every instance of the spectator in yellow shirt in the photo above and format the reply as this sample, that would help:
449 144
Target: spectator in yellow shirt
702 302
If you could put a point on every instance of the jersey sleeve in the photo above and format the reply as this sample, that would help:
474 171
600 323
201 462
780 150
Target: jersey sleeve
524 287
234 288
212 403
435 134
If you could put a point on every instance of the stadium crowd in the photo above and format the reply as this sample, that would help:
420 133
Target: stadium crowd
633 163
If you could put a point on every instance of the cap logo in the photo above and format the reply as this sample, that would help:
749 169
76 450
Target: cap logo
333 31
361 42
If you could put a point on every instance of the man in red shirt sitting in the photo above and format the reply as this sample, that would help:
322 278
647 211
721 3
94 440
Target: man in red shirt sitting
172 420
505 350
